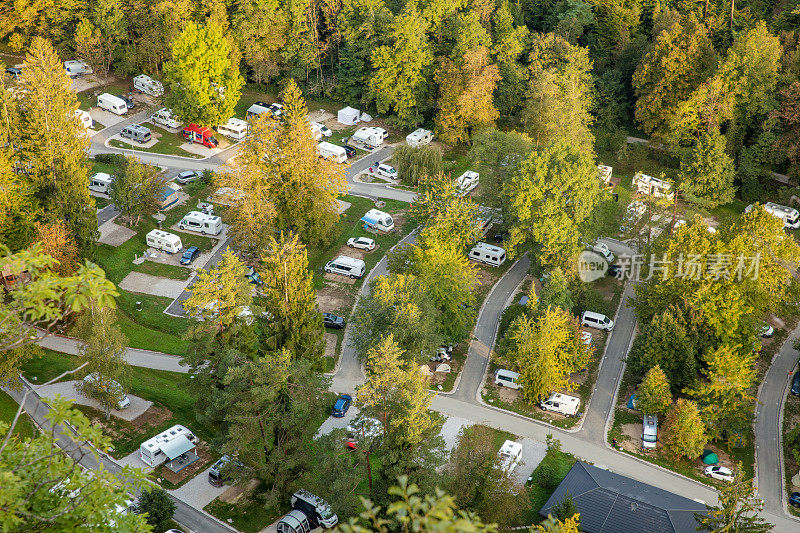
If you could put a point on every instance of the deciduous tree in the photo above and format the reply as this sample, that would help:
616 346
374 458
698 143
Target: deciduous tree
58 244
159 508
653 396
707 172
449 215
136 190
414 163
556 292
738 509
222 294
260 30
497 155
789 116
510 41
684 431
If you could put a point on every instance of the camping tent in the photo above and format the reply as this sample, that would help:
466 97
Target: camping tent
348 116
709 457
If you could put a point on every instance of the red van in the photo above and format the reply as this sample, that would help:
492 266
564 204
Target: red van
201 135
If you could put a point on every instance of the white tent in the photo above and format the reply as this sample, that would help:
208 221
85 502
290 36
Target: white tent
348 116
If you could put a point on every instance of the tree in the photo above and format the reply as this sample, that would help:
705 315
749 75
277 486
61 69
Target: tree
465 95
44 488
545 351
51 144
337 473
738 509
136 190
398 83
203 84
681 59
566 508
653 397
789 116
397 393
159 508
104 349
684 432
222 294
450 215
414 163
497 155
707 172
560 93
554 525
437 512
549 200
296 324
556 292
363 25
510 41
260 30
58 244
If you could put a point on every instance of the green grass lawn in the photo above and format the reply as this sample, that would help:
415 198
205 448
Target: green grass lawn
162 270
251 517
168 144
8 410
540 491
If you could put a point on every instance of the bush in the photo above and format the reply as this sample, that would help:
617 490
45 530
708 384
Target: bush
413 163
110 159
158 506
509 314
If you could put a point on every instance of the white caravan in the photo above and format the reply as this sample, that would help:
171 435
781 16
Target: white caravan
165 117
148 85
366 137
173 442
467 182
379 220
789 215
161 240
201 222
604 173
510 453
112 103
486 253
652 186
332 152
236 129
77 67
419 137
561 403
84 118
100 182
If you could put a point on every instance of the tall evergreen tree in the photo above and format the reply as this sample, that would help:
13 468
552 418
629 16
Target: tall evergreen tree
707 172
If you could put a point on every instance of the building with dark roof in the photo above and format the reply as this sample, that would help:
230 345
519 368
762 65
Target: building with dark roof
611 503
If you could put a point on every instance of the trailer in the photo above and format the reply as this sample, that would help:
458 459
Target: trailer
161 240
366 137
789 215
332 152
419 137
77 67
112 103
200 135
148 85
652 186
100 182
168 445
236 129
84 118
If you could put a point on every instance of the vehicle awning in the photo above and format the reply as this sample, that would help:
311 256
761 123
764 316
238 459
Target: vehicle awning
372 221
177 446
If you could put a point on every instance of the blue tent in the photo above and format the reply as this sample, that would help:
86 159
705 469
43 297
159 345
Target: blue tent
369 220
632 402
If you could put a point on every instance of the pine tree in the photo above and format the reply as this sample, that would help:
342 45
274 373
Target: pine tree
222 294
653 396
707 172
684 432
159 508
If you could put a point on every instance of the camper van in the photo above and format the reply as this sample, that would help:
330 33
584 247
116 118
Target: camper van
84 118
332 152
378 220
200 135
467 182
366 137
161 240
652 186
346 266
649 432
165 117
507 378
112 103
316 130
596 320
486 253
148 85
561 403
256 110
317 510
136 132
236 129
201 222
789 215
77 67
293 522
510 453
419 137
100 182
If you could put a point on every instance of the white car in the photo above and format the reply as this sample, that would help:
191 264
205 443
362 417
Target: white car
386 171
323 129
361 242
766 331
122 399
719 472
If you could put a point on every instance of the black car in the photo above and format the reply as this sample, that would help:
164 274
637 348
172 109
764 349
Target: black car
14 72
500 237
613 271
794 499
190 255
128 101
349 150
341 406
330 320
796 384
187 176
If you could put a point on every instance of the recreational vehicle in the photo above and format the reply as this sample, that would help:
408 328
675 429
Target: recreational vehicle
367 138
510 453
561 403
332 152
789 215
419 137
136 132
315 508
467 182
77 67
100 182
236 129
201 222
376 219
175 441
346 266
652 186
161 240
148 85
486 253
84 118
256 110
165 117
112 103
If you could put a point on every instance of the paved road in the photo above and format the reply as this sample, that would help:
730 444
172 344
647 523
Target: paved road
106 214
768 424
195 519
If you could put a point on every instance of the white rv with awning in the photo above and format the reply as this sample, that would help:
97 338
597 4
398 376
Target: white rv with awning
166 446
148 85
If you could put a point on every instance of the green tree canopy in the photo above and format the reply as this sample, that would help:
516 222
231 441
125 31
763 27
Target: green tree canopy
684 432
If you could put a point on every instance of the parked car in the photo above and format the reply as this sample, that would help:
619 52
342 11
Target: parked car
253 277
363 243
349 150
796 384
14 72
187 176
190 255
329 320
501 236
341 406
613 271
766 330
386 171
794 500
128 101
323 129
216 475
719 472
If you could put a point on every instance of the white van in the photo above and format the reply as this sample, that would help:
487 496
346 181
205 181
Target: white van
596 320
561 403
100 182
112 103
346 266
201 222
507 378
332 152
148 85
379 220
419 137
161 240
467 182
486 253
84 118
650 432
235 128
789 215
165 117
602 249
77 67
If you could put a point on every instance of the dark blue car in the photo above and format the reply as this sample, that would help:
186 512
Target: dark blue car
796 384
189 255
341 406
794 499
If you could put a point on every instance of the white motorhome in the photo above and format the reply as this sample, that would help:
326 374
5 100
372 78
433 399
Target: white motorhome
604 173
112 103
367 137
161 240
175 441
100 182
467 182
236 129
789 215
84 118
148 85
486 253
332 152
317 510
376 219
77 67
419 137
165 117
507 378
346 266
510 453
596 320
652 186
561 403
255 110
201 222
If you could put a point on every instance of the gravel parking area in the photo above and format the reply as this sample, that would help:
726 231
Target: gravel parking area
149 144
106 118
532 454
198 492
450 430
67 390
114 234
332 423
153 285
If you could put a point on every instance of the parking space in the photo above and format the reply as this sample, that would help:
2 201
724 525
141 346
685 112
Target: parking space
198 492
67 390
106 118
149 144
152 285
332 423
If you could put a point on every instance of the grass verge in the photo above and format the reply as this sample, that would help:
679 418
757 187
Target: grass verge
8 410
